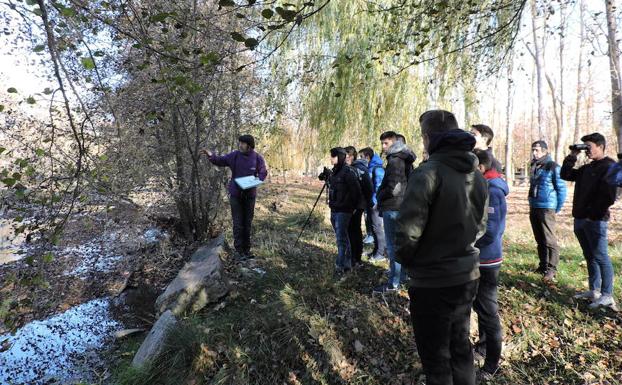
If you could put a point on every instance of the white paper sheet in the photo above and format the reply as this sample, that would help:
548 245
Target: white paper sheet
248 182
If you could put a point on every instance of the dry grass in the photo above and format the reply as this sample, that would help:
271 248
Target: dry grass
296 325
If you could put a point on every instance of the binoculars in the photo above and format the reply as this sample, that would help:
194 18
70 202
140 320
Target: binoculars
579 147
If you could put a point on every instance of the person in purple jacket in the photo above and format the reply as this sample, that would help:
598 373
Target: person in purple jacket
242 162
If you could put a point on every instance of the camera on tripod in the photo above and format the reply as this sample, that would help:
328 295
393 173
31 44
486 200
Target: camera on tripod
579 147
325 175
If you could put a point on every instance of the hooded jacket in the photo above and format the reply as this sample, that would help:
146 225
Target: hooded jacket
490 245
241 164
400 161
592 194
443 213
376 174
614 175
360 166
547 190
344 190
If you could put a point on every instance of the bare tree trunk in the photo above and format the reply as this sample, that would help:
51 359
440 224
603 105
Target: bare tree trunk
561 127
509 170
614 67
539 59
577 113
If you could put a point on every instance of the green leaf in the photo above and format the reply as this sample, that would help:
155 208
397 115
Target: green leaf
251 43
11 90
31 2
39 48
68 12
209 58
88 63
226 3
48 257
31 100
267 13
160 17
37 11
238 37
9 182
2 150
40 152
47 91
1 107
286 14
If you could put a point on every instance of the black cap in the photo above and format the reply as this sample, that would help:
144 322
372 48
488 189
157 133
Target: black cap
336 151
248 139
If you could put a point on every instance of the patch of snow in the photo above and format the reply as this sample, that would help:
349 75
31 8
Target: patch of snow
154 235
60 349
93 258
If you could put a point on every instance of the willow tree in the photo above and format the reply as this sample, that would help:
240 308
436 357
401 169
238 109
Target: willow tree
370 67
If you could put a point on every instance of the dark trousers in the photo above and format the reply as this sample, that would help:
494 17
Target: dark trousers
441 320
487 309
543 225
242 212
356 236
368 223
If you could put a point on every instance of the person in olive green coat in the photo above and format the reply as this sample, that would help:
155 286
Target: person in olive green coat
442 215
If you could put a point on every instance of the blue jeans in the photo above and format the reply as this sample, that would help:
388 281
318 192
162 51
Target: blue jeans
592 236
390 226
340 222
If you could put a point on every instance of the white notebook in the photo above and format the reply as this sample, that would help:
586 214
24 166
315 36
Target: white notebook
247 182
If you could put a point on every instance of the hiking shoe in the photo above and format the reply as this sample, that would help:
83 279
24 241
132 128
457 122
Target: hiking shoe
549 276
377 258
540 270
605 300
484 376
385 288
591 295
368 240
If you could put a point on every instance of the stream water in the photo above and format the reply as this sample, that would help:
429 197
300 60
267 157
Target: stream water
59 350
65 348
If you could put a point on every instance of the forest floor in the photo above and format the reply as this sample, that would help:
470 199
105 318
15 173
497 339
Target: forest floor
287 321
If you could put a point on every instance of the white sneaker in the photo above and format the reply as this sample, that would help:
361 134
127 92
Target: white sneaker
605 300
591 295
368 240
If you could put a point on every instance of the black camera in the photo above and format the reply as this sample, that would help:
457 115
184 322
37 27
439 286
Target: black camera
579 147
325 175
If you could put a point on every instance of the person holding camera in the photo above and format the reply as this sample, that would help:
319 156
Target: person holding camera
590 208
547 194
441 216
243 162
344 195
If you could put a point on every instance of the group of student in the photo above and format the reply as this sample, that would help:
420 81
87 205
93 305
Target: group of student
441 226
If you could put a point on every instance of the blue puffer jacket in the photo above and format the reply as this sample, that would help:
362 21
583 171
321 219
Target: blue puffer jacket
614 175
376 173
490 245
547 190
